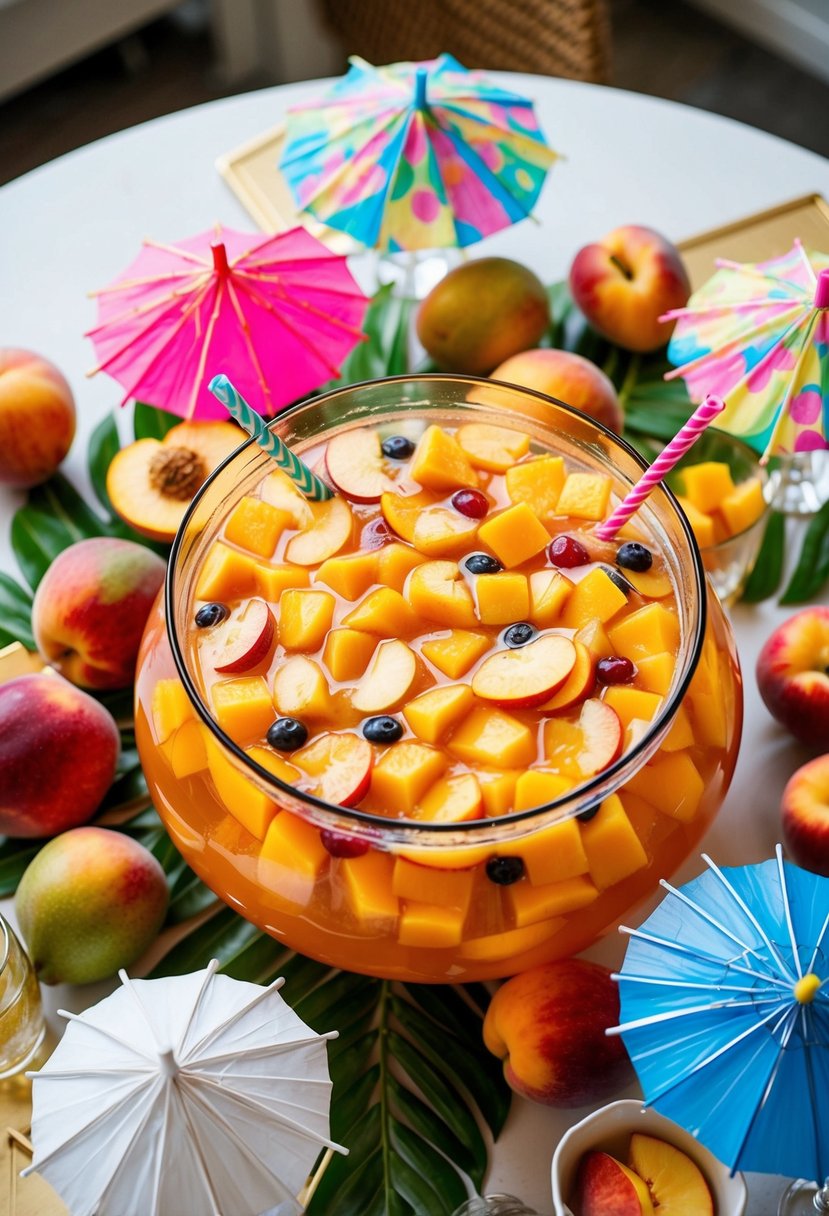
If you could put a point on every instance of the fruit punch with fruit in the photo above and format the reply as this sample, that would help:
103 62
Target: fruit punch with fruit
443 646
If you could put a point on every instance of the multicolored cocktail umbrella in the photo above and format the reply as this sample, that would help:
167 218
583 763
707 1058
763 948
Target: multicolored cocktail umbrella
416 155
758 335
725 1013
282 311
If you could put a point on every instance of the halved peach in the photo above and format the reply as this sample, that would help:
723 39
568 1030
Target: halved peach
331 528
338 767
676 1183
354 460
608 1188
527 676
150 482
390 675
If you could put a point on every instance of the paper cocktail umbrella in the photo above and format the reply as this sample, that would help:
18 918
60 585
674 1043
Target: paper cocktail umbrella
758 334
282 310
725 1012
416 155
195 1093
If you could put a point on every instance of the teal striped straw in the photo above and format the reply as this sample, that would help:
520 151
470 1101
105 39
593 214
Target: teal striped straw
310 485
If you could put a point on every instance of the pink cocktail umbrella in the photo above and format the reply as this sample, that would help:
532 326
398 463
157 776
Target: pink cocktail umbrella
282 311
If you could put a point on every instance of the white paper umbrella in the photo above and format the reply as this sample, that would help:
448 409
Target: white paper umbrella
196 1093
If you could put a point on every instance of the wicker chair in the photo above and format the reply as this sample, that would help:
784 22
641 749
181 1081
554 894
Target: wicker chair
551 37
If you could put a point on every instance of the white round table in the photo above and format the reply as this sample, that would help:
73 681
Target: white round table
70 226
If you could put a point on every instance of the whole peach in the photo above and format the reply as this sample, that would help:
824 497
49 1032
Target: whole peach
570 378
58 752
793 675
626 281
90 609
804 809
37 417
548 1026
91 901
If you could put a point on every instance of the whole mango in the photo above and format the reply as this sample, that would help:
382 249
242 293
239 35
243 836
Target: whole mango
481 313
90 902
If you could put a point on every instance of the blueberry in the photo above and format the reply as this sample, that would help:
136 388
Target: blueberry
287 734
482 563
518 634
633 556
397 447
504 870
586 816
211 614
618 580
382 729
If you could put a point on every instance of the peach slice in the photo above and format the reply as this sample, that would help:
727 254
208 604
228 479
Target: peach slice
587 746
150 482
437 591
675 1182
245 639
354 460
331 528
339 766
278 490
527 676
300 689
390 675
439 532
494 448
452 800
401 513
608 1188
578 685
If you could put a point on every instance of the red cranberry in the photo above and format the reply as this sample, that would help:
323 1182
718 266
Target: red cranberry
567 551
376 534
615 671
470 503
343 846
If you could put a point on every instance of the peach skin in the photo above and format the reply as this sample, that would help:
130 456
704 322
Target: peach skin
548 1026
805 814
793 676
90 609
37 418
625 282
570 378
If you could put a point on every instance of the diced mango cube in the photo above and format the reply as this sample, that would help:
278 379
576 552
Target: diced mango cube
440 463
653 629
613 849
537 788
300 689
702 525
502 598
681 734
494 448
498 791
243 707
491 737
437 591
444 888
550 855
349 576
171 708
439 532
296 845
347 653
710 718
595 597
707 484
248 805
429 926
385 613
188 754
652 584
305 617
530 904
593 635
655 672
256 526
226 574
403 774
537 483
271 581
743 506
510 944
549 590
367 883
455 654
630 703
514 535
395 563
433 714
584 496
452 800
671 784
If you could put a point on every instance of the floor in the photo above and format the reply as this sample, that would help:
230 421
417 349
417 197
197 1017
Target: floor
166 67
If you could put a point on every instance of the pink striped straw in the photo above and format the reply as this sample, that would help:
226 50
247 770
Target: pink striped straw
702 417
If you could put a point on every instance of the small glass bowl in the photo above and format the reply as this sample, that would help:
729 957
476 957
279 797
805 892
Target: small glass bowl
729 562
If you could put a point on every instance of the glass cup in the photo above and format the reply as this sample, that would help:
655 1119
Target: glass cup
729 562
22 1025
350 912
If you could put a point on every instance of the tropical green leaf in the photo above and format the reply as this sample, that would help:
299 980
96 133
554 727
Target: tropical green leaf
103 446
15 856
149 422
768 569
15 613
385 350
812 570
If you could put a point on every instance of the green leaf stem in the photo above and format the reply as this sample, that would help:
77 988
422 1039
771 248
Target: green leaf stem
812 570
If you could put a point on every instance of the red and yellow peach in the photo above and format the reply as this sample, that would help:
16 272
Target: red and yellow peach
37 418
567 377
793 675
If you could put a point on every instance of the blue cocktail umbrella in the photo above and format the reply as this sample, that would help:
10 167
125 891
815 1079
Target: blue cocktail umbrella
725 1012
